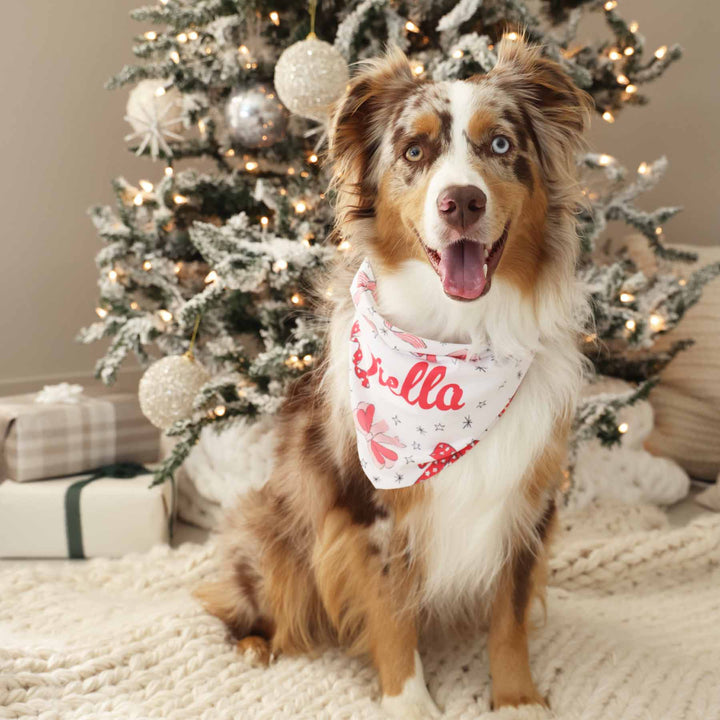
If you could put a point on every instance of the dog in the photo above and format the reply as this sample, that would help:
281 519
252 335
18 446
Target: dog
462 196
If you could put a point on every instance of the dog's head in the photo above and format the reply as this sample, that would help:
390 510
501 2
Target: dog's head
462 174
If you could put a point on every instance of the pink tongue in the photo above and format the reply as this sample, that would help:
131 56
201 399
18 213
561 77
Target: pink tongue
461 269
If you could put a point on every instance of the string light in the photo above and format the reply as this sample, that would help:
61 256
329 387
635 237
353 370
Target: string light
418 68
229 153
623 428
274 18
295 299
220 410
634 26
682 282
138 199
160 91
313 158
251 165
605 160
181 38
101 312
591 338
175 56
608 117
147 266
657 322
113 276
344 245
168 171
658 231
307 359
623 79
411 27
329 292
610 5
614 54
629 51
264 221
643 168
660 52
201 126
300 207
165 315
211 277
291 171
630 325
279 265
151 35
626 297
243 50
458 54
180 199
511 36
134 306
192 35
147 186
178 268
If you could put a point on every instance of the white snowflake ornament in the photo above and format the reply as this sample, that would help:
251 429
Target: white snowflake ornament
152 110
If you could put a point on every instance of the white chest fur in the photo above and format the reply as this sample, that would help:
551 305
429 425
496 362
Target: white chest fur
476 505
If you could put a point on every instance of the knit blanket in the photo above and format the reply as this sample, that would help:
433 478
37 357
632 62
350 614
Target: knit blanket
632 631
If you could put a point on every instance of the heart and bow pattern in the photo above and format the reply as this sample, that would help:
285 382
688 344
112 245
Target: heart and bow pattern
419 405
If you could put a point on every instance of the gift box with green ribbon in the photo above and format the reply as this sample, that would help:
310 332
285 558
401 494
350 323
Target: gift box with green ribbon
108 513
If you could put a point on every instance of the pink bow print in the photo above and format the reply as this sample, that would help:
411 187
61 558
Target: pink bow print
374 433
364 283
444 455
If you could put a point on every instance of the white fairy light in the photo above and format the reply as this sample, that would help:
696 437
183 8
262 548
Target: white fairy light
165 315
101 312
147 186
623 428
661 52
411 27
211 277
626 297
608 117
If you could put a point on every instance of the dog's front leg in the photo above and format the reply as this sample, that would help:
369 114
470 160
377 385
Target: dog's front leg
512 682
361 593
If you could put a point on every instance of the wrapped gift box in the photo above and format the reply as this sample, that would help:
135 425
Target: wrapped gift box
45 440
83 516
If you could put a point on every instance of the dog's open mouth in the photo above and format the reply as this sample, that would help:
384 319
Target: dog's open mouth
466 267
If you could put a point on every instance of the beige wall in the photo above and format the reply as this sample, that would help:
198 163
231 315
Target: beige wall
61 138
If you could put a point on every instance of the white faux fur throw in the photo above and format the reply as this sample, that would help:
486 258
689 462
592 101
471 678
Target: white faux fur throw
632 632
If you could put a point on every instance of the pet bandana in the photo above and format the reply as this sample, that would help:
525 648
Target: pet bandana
419 405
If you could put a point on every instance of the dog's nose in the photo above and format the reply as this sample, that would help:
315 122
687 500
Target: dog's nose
461 205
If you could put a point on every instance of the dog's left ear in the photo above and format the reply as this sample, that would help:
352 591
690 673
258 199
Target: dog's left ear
557 109
362 115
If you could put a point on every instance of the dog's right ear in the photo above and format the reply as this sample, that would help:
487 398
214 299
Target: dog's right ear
362 115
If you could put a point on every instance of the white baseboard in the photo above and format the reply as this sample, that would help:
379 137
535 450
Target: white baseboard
127 381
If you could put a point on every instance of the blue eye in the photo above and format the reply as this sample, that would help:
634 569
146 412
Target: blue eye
414 153
500 145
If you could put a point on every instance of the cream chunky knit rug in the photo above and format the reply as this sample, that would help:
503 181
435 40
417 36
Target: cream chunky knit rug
632 632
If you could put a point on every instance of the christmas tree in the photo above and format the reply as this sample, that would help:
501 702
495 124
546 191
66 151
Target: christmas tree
223 260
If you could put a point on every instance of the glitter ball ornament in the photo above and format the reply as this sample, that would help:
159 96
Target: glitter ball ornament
309 76
168 388
255 117
154 112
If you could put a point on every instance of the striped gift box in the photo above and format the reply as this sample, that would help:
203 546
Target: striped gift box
41 440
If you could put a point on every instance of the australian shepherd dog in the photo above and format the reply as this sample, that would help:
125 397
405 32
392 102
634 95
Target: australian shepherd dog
463 197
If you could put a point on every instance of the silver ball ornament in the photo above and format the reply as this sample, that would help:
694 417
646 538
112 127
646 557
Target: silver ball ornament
309 77
255 117
168 389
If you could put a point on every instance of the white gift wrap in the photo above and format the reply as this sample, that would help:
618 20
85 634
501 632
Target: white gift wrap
118 516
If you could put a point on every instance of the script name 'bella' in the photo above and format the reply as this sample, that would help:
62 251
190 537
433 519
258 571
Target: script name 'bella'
423 384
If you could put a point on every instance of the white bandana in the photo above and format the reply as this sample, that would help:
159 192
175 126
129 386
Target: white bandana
419 405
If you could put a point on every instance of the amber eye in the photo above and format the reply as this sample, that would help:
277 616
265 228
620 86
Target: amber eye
414 153
500 145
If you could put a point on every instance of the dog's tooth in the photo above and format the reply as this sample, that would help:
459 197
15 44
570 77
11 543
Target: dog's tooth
485 269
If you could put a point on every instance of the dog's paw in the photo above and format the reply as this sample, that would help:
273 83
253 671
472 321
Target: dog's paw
413 703
516 700
255 650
